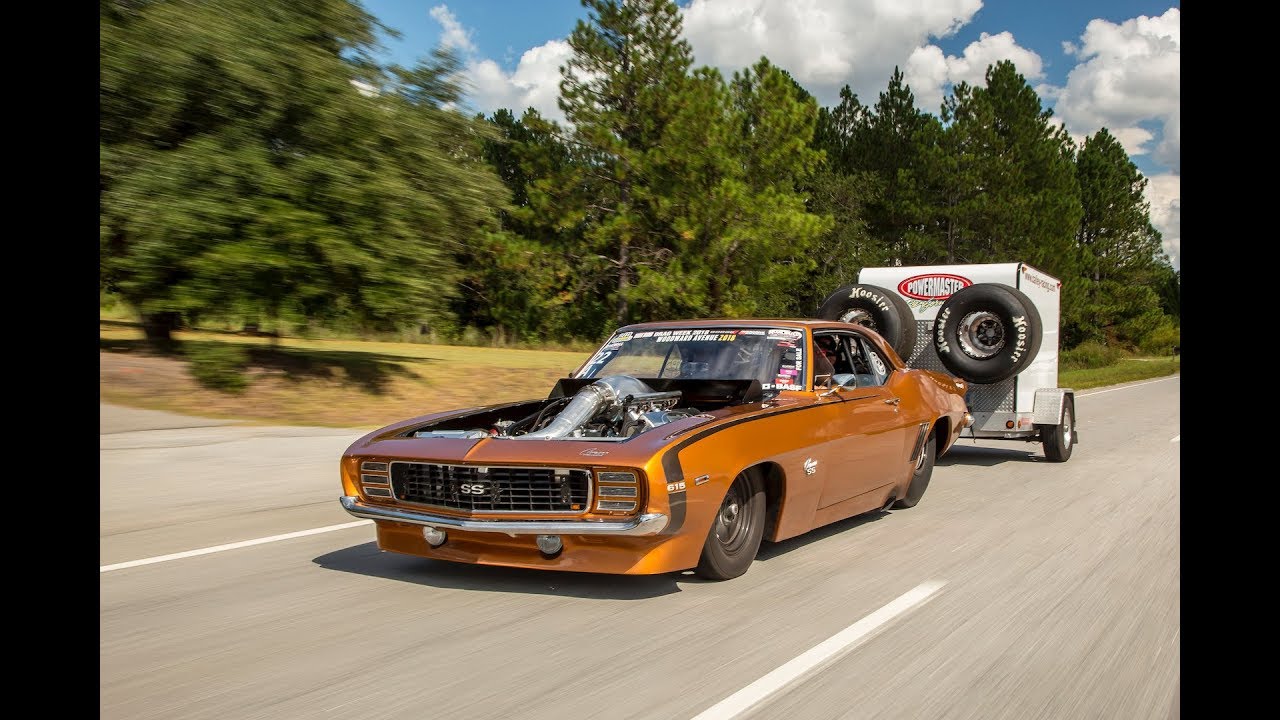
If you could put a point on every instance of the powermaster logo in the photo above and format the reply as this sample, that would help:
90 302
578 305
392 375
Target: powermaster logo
933 286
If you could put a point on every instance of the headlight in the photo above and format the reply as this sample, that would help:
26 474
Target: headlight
613 484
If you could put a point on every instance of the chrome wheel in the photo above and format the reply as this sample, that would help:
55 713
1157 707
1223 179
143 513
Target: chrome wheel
1068 428
858 316
981 334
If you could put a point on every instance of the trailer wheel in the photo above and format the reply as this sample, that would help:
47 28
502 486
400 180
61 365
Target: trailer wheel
986 333
874 307
1059 439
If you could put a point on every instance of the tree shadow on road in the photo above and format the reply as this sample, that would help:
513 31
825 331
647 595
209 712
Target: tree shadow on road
988 456
367 559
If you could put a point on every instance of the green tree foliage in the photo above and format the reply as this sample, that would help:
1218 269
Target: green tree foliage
1024 200
993 179
536 278
620 90
256 164
672 194
1124 283
892 142
736 156
848 246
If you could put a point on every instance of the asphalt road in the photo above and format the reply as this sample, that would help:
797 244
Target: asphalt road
1059 595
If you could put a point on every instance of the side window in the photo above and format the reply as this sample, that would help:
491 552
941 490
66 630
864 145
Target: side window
824 357
837 357
844 355
870 366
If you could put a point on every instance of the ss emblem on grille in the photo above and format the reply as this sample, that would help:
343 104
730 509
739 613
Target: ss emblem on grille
474 488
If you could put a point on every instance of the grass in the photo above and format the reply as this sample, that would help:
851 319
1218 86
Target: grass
353 383
338 383
1126 370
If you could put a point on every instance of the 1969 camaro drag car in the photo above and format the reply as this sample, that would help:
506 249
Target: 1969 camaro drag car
677 445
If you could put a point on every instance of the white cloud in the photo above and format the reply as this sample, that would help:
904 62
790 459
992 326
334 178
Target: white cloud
925 73
929 72
1129 73
1169 152
1133 139
988 50
824 44
454 36
1164 192
534 83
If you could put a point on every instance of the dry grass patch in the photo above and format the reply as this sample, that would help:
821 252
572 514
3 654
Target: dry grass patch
340 383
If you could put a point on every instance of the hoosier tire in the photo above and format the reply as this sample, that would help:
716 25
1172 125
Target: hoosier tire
986 333
884 311
921 474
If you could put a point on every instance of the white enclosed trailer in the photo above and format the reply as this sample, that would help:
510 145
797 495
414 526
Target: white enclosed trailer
1004 344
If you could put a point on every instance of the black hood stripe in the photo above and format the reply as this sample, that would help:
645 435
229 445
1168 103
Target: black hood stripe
675 473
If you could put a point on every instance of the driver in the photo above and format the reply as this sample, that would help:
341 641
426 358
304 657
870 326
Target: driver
824 358
826 345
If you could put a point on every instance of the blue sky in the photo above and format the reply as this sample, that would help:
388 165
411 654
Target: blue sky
1097 64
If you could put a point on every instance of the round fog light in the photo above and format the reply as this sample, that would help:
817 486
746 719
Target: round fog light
550 544
435 538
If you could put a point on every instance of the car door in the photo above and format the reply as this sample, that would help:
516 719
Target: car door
868 429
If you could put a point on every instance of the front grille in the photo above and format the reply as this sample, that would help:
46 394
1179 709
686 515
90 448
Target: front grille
492 489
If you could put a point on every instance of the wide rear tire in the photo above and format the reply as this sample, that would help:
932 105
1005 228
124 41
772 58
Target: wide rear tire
987 333
881 310
920 476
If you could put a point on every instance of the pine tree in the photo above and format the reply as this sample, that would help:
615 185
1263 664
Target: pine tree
1027 205
619 92
1123 274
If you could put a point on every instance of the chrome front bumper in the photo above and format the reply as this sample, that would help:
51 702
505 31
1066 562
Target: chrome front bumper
648 524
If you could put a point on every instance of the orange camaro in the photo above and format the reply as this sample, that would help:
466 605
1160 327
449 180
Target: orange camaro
677 445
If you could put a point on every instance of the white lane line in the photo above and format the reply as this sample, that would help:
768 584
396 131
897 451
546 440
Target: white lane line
231 546
1176 438
1126 387
825 651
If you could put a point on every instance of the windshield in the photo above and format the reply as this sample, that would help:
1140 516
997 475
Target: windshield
774 356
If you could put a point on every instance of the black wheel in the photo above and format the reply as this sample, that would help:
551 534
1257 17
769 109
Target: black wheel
1060 439
986 333
884 311
920 476
736 532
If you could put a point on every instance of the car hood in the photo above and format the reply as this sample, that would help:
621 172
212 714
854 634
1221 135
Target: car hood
390 443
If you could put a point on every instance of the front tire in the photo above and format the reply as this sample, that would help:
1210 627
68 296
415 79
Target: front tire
1059 439
736 531
920 476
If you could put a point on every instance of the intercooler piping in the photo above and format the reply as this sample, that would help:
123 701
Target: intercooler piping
604 394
